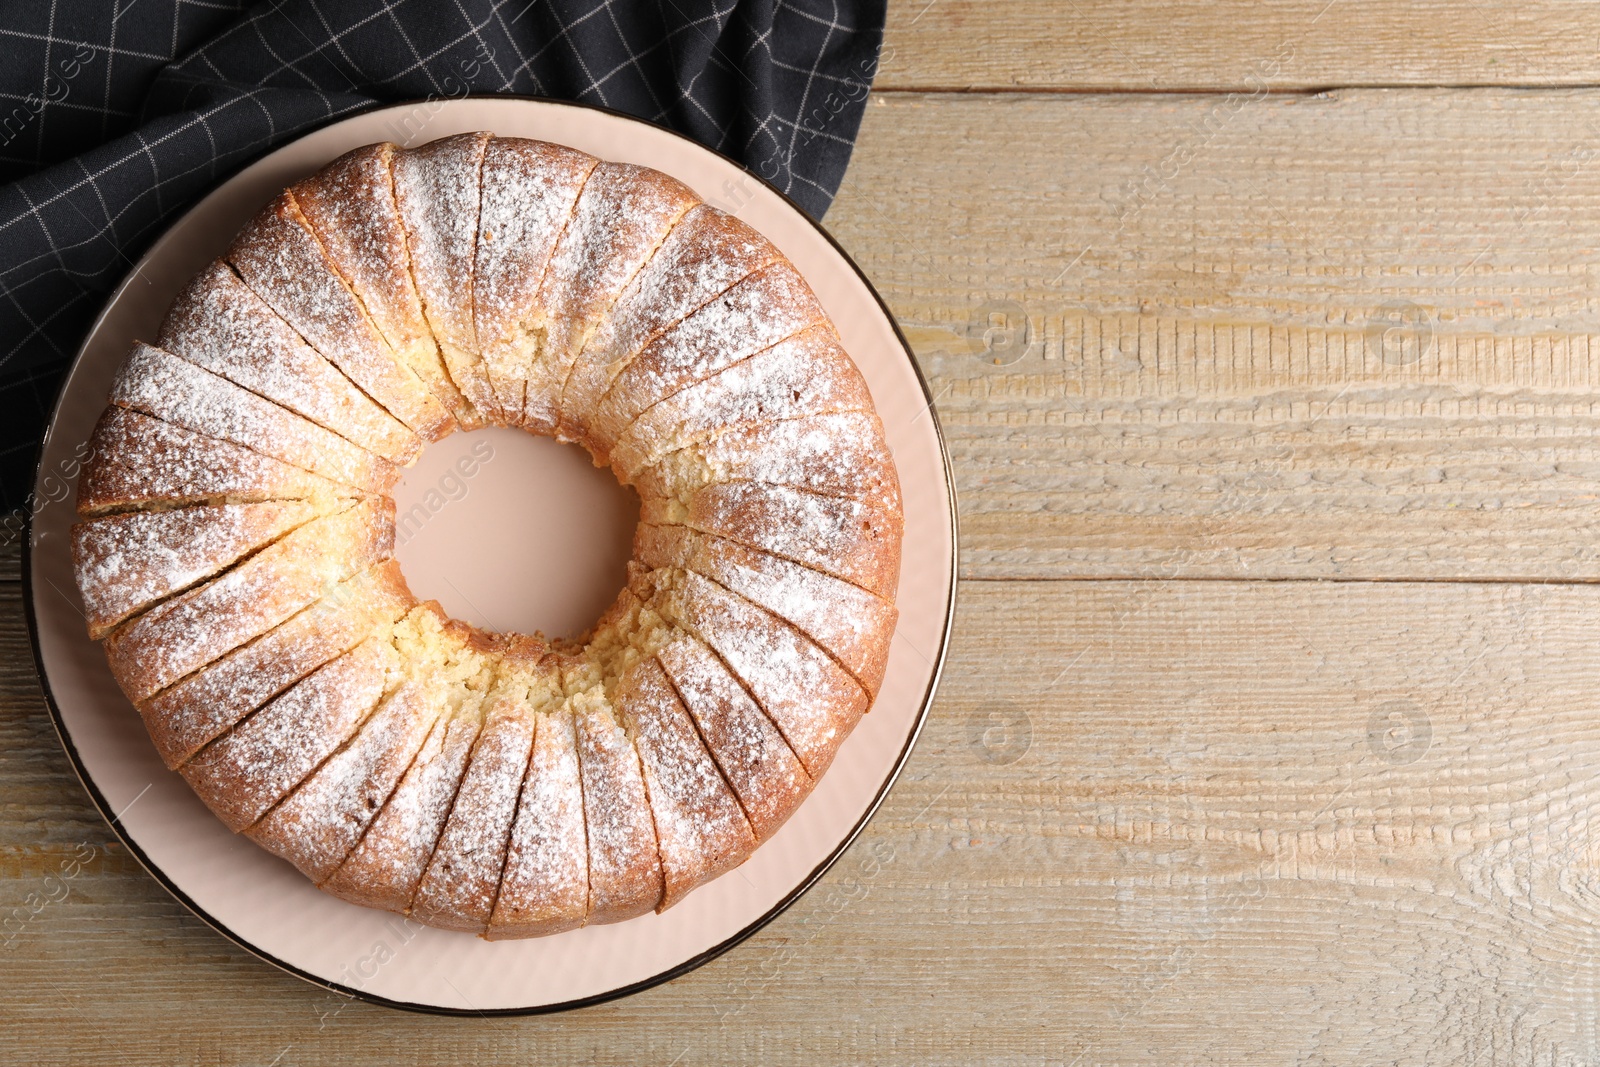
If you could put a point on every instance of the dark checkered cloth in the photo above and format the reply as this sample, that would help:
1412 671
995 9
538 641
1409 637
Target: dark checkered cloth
114 116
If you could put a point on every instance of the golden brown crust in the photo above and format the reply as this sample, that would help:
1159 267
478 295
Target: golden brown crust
618 222
436 191
457 890
187 632
701 830
767 307
704 256
850 623
317 824
807 374
280 258
351 207
125 563
545 886
813 701
219 324
385 867
757 762
837 454
137 461
856 540
174 390
624 864
244 772
185 716
529 192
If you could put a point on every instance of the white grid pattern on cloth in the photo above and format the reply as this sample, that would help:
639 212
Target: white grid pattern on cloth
170 95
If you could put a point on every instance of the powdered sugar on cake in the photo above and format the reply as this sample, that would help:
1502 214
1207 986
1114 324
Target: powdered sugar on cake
236 548
125 563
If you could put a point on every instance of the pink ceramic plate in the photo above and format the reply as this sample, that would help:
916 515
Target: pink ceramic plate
264 904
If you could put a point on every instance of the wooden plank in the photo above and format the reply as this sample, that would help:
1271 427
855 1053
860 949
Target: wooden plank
1348 336
1148 822
12 525
1142 45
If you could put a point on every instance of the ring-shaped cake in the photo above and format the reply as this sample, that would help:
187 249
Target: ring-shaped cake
235 548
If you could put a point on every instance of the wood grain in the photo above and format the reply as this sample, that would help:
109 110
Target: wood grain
1346 335
1192 375
1141 45
1247 822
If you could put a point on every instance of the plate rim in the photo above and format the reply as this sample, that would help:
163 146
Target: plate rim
678 970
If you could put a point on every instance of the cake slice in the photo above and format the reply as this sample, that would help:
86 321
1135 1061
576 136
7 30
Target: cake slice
839 454
437 192
851 539
455 674
848 622
385 867
808 374
219 324
139 461
701 830
459 887
279 258
457 890
317 824
544 888
757 762
190 713
351 208
124 563
704 256
624 865
619 221
528 192
183 634
159 384
250 768
773 304
811 699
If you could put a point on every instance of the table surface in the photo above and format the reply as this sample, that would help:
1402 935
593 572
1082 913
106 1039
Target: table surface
1266 338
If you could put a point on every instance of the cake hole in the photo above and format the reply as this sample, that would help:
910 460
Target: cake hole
512 532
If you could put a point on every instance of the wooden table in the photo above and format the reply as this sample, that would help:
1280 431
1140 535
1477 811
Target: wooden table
1267 342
